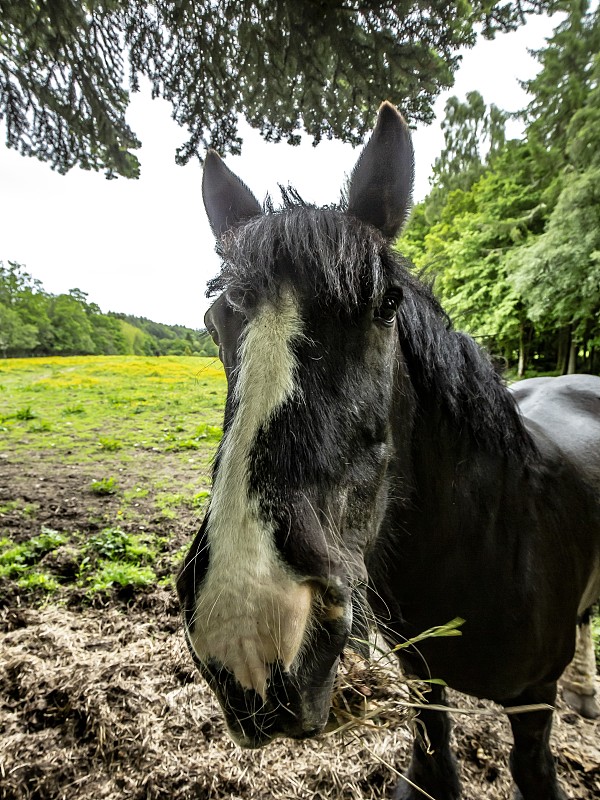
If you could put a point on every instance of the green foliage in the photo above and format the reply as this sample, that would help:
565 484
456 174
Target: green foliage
110 575
62 69
473 134
146 337
511 237
214 433
38 581
14 333
114 557
15 559
107 443
560 88
22 414
201 498
104 486
33 322
559 272
115 544
466 249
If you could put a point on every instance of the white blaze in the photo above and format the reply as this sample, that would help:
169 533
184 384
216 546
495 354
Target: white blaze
250 611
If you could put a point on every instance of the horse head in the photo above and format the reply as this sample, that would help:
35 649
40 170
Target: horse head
272 588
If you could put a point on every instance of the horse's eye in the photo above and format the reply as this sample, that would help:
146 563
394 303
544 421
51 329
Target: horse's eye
386 313
214 335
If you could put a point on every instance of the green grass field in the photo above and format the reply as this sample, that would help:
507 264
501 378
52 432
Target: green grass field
104 469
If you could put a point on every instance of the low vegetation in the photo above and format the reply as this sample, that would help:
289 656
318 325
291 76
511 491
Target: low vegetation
108 463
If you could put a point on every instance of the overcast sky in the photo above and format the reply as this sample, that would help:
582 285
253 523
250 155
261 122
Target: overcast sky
144 247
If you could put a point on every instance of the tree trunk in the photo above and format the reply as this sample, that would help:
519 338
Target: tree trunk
572 367
522 366
564 336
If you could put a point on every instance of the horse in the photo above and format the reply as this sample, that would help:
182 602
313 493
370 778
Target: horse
374 462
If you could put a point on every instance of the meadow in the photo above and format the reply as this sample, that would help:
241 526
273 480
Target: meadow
105 466
105 462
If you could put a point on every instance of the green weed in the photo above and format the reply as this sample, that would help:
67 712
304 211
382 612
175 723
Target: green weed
11 505
23 509
110 574
109 444
104 486
213 433
38 582
72 410
43 426
18 558
184 444
129 495
115 544
24 414
201 498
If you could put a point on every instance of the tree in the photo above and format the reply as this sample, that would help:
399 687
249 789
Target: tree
107 335
15 336
473 134
71 326
23 296
283 64
560 271
561 86
466 250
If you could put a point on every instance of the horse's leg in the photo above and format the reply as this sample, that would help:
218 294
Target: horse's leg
432 767
531 761
578 678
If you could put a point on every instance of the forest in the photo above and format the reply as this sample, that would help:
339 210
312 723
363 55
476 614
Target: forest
36 323
510 231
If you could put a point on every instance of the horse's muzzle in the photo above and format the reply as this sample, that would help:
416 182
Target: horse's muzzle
288 710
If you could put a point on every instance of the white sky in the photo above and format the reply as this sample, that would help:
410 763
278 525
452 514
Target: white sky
144 247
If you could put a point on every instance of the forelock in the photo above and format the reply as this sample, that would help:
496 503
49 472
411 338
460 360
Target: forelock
321 251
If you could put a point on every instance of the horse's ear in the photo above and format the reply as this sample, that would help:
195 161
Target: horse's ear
381 184
227 200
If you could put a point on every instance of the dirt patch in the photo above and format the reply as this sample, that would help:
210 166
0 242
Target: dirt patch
48 492
105 704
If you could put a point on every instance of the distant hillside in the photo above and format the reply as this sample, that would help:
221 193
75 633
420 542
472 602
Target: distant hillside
145 337
34 322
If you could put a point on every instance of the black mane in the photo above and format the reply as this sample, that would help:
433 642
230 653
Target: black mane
338 260
450 370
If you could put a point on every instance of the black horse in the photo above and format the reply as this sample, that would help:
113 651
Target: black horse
372 455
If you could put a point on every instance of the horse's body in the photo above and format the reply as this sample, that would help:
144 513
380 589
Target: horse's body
370 452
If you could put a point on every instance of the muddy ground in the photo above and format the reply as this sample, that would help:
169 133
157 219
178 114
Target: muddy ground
98 700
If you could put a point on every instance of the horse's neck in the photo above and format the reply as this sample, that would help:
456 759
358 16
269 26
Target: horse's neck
440 464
